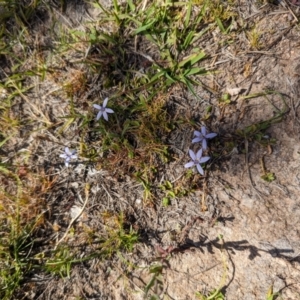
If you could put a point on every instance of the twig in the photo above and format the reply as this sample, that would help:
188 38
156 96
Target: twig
291 11
248 169
203 200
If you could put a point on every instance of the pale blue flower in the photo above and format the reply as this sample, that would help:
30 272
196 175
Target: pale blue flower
68 155
103 110
202 137
197 159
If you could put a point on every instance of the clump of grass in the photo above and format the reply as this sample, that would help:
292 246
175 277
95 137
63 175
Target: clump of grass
159 24
120 236
60 262
133 139
16 254
21 214
254 38
172 191
219 13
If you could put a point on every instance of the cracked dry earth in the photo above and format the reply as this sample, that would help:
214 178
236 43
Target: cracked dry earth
259 221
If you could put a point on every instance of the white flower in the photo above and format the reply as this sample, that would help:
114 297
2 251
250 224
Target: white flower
202 137
103 110
197 159
68 155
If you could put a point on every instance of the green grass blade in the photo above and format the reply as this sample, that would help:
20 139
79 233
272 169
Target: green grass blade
144 27
188 39
192 59
188 15
4 141
193 71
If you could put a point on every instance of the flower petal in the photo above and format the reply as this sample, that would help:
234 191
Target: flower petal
63 155
97 106
99 115
199 154
105 116
204 144
204 159
68 151
203 130
200 170
105 102
197 133
66 163
189 164
192 154
196 140
109 110
211 135
73 156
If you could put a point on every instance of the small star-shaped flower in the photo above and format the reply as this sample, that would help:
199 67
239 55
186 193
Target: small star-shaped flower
68 155
197 159
103 110
202 137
